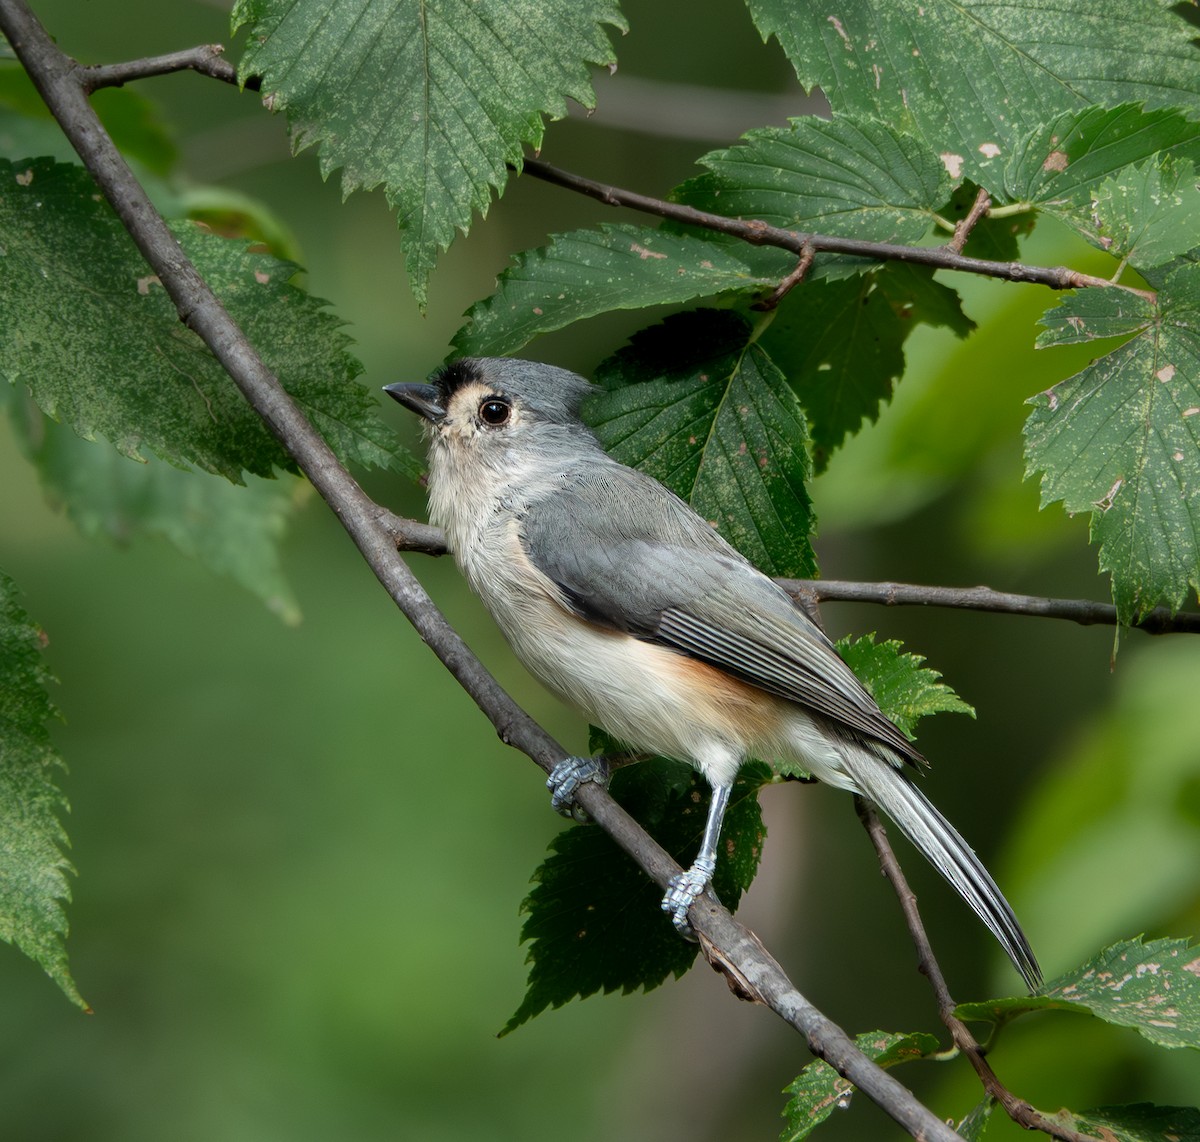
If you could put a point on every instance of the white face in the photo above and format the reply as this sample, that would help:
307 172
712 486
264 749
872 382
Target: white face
476 412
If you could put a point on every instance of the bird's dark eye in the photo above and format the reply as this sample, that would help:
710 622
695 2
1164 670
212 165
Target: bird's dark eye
494 411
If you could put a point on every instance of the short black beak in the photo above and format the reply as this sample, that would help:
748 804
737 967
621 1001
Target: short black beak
424 400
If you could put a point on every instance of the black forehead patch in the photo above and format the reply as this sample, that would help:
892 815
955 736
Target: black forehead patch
456 375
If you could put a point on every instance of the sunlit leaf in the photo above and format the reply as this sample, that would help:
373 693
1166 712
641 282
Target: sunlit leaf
430 98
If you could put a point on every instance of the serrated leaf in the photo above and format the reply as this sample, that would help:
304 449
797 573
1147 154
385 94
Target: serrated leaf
1141 1122
841 344
1153 987
1056 164
588 272
819 1090
1094 314
1121 440
594 921
1148 215
971 78
235 531
852 176
695 403
903 689
33 870
101 347
430 98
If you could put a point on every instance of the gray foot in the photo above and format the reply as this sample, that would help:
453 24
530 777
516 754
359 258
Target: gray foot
568 775
682 891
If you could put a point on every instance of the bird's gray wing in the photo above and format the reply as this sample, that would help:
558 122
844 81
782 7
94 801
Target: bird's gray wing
625 553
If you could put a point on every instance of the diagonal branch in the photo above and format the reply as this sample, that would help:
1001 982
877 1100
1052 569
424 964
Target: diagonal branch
1020 1111
729 945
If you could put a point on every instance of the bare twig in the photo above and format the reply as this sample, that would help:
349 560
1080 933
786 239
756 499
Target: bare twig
410 535
729 945
760 234
790 282
1016 1108
1082 611
962 231
207 59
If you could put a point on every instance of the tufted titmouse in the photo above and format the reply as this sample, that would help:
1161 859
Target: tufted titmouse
622 600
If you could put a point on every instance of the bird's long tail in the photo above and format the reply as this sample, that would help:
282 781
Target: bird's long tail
945 849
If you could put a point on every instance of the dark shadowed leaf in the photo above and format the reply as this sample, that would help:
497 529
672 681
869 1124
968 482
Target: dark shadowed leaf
698 405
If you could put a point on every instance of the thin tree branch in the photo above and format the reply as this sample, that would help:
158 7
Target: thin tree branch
760 234
1082 611
729 945
962 231
410 535
1020 1111
207 59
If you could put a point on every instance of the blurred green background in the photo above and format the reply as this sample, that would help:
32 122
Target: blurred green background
301 850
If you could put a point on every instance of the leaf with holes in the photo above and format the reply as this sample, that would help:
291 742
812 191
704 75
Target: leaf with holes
973 77
1153 987
1121 439
698 405
430 98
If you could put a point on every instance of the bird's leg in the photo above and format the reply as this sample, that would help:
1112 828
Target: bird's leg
568 775
684 887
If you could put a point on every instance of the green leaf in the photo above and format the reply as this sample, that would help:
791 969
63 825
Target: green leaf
1094 314
1141 1122
594 921
1121 440
696 404
235 531
1058 163
1154 988
92 333
841 344
431 98
974 1126
1148 215
589 272
903 689
33 870
971 78
851 176
819 1090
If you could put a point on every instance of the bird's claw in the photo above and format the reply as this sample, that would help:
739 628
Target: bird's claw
683 889
566 778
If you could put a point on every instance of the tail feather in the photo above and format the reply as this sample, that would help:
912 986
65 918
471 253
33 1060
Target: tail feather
945 849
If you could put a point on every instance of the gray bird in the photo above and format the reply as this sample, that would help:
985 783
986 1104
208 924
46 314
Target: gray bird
618 597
